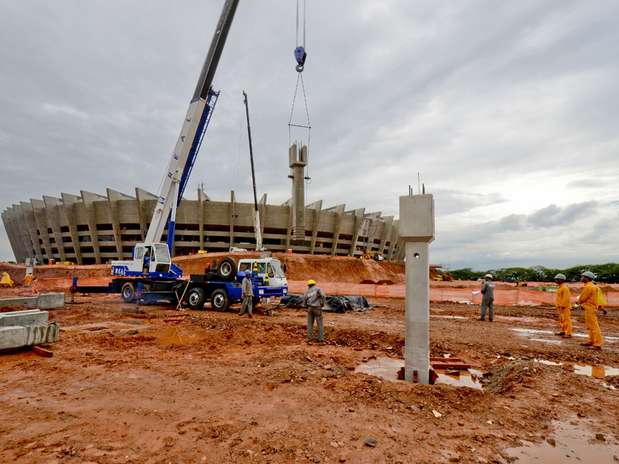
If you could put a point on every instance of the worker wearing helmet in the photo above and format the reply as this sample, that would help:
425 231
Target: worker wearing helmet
562 303
487 298
588 300
247 293
314 299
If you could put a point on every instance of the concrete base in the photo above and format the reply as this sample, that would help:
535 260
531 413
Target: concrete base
42 301
22 336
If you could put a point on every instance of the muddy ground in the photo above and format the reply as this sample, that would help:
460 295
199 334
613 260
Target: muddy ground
151 385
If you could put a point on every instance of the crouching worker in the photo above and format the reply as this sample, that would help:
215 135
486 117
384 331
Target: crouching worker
563 305
314 299
247 293
588 300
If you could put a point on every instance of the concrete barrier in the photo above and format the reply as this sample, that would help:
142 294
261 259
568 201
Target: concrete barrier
50 300
24 318
21 336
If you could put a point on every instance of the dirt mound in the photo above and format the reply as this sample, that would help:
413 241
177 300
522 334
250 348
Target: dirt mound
318 267
506 377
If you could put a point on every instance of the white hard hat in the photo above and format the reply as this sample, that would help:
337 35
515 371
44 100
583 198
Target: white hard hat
488 276
560 277
588 274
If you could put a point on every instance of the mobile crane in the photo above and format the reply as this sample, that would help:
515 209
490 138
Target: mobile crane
152 259
151 269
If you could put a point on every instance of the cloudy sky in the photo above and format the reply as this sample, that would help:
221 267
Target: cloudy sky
509 110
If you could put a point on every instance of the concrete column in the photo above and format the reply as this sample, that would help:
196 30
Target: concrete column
232 216
262 207
358 228
298 161
339 210
52 206
68 202
40 219
140 197
317 209
88 198
387 224
417 231
201 200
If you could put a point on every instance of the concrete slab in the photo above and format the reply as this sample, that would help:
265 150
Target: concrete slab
24 318
42 301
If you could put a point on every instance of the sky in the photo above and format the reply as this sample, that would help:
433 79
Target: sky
508 110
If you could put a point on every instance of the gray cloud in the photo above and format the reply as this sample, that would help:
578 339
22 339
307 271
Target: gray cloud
475 95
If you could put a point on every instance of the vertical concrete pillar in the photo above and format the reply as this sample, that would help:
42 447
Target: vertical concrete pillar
417 231
232 216
297 162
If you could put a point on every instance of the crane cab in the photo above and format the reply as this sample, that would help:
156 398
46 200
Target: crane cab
151 261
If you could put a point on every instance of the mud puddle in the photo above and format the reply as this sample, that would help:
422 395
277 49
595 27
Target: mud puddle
539 332
570 442
387 368
590 370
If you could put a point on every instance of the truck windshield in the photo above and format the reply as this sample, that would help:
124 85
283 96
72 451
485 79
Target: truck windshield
277 268
162 254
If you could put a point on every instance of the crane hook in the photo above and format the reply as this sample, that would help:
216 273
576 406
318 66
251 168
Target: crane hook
300 55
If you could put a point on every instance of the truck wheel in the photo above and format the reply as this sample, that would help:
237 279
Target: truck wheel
127 291
196 298
226 269
219 300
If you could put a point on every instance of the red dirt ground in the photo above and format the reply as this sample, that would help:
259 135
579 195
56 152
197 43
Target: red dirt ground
150 385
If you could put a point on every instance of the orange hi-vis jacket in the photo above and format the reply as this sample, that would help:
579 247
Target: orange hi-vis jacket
588 297
563 297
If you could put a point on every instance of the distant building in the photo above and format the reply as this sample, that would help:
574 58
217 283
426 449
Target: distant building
94 229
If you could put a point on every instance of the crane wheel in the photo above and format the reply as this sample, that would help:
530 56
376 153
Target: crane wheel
127 291
219 300
226 269
196 298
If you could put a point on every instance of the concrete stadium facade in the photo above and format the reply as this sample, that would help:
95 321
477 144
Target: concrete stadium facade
95 229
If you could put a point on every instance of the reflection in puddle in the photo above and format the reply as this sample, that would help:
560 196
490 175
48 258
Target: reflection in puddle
545 340
598 372
533 332
387 368
571 441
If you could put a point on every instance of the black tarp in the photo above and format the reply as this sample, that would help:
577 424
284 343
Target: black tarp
338 304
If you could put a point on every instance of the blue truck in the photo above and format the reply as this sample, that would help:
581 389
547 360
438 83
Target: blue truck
218 285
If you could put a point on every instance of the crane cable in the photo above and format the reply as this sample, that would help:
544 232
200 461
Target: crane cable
300 57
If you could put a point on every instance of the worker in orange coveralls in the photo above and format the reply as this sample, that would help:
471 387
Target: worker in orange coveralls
563 305
588 300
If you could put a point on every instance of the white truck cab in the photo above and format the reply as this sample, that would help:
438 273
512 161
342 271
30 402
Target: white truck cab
153 261
270 270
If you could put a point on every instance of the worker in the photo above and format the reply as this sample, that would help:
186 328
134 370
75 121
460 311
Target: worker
247 293
314 299
487 298
562 302
588 300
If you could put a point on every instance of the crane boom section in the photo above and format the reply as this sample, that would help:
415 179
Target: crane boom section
189 132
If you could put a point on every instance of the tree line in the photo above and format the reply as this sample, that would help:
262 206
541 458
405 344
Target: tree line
608 273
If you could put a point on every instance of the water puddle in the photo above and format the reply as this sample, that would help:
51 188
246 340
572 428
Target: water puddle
545 340
570 442
448 317
387 369
590 370
534 332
